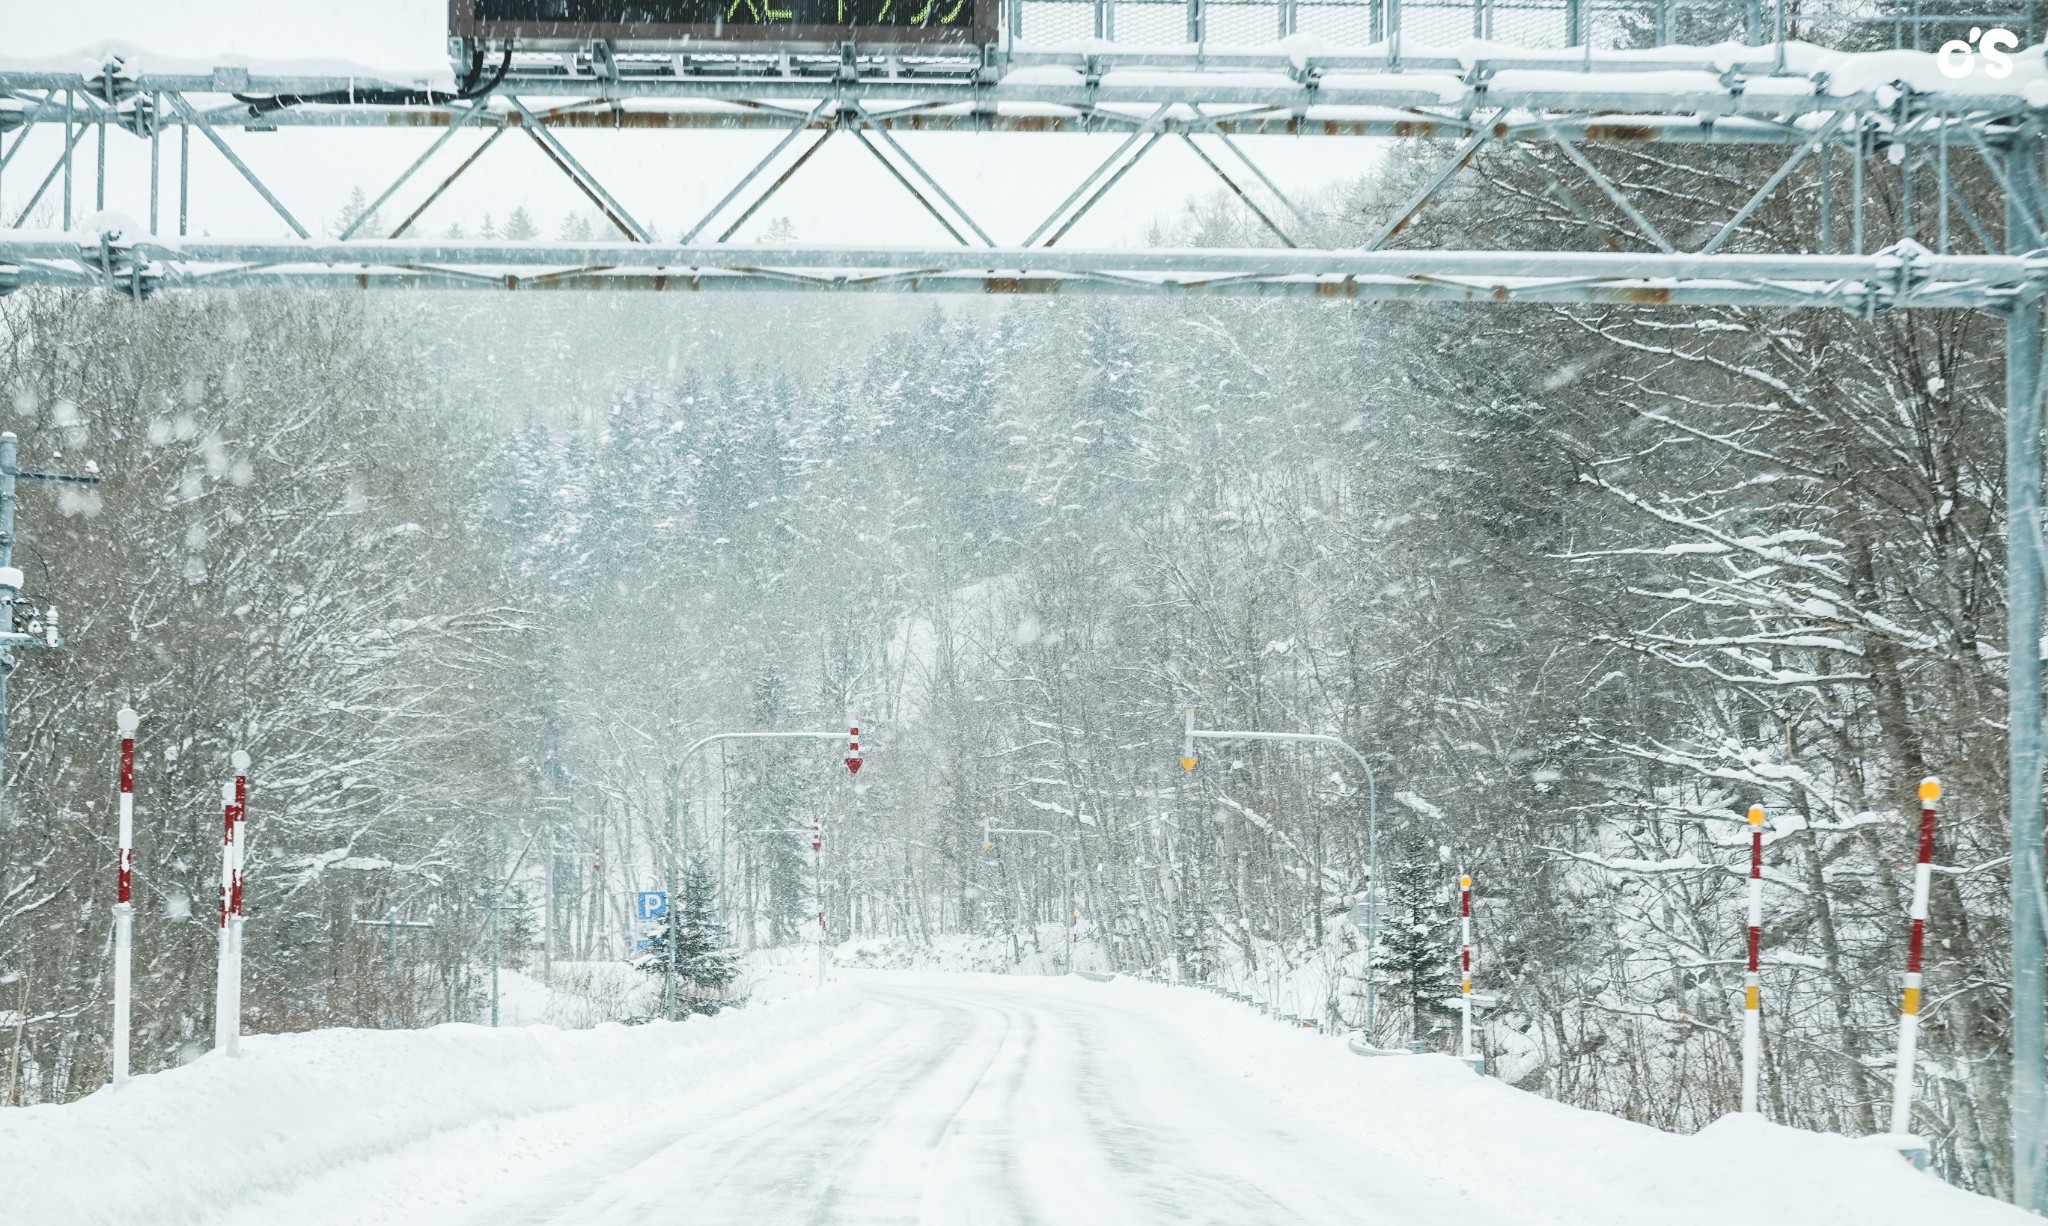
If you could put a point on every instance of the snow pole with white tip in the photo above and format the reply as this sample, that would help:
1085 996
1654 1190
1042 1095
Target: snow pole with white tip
241 763
124 907
1465 965
226 1026
1752 975
1909 1007
818 883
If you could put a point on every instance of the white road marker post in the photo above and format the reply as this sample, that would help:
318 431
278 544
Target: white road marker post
1909 1007
124 907
226 1026
1465 1051
1752 975
818 883
241 762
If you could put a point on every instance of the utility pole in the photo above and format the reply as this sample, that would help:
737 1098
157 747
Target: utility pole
26 628
1190 734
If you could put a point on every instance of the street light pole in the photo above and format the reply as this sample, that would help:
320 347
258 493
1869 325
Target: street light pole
674 833
1191 734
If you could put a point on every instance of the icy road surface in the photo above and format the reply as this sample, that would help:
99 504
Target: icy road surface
989 1103
898 1098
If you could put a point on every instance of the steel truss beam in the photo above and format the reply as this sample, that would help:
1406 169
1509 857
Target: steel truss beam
1868 283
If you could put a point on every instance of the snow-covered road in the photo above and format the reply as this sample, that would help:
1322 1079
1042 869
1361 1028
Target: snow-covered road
991 1103
900 1098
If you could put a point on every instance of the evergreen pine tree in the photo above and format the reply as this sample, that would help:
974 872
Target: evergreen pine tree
706 962
1418 944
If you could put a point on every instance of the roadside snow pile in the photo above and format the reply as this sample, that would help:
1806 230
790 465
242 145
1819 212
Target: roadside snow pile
1502 1154
467 1123
210 1141
576 995
973 953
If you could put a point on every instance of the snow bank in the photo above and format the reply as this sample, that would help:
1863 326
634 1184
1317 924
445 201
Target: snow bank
1502 1154
212 1139
576 995
972 952
470 1123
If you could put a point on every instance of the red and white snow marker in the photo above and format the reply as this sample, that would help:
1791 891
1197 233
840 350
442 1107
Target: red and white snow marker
1909 1008
1465 965
241 761
818 883
124 907
226 1024
1752 975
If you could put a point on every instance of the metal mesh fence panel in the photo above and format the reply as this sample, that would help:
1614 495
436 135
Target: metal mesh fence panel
1240 23
1536 24
1347 25
1436 24
1054 22
1151 21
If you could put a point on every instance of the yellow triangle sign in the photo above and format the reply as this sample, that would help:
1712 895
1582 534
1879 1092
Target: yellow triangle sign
1187 764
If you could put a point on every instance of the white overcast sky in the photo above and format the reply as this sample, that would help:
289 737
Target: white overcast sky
666 179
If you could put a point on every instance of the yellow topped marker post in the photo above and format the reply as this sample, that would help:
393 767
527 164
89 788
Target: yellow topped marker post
1909 1006
1465 1051
1752 975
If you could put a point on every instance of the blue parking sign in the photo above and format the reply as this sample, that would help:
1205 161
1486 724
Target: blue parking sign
651 904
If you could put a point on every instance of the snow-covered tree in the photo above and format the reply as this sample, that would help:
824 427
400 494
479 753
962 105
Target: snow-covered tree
706 963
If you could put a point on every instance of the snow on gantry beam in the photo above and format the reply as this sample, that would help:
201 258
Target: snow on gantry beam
1883 280
1390 88
1313 120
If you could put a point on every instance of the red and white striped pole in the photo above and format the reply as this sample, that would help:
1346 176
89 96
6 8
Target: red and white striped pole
1752 975
818 883
1465 964
1909 1008
124 907
241 761
226 1028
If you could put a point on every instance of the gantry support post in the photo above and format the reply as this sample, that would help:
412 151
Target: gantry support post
2023 346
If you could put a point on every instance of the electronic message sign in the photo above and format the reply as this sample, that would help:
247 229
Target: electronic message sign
671 23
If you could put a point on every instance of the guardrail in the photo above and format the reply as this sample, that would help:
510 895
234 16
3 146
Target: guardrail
1286 1019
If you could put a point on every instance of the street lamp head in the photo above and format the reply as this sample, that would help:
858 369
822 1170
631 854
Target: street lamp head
227 792
127 721
241 760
